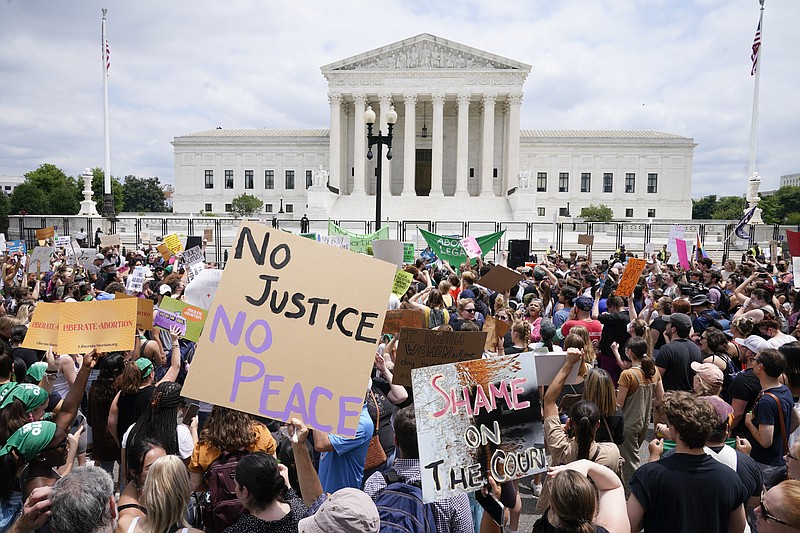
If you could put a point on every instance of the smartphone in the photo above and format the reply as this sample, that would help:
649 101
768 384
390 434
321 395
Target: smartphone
191 412
491 506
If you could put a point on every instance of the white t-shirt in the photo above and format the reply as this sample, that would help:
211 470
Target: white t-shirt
185 441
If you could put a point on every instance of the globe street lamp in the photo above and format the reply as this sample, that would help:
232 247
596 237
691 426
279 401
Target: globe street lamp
381 141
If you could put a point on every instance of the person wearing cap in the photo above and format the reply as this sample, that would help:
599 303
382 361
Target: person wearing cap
675 358
106 275
707 379
582 316
746 385
672 494
774 405
704 313
93 268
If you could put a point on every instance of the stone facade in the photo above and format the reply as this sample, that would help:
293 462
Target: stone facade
457 136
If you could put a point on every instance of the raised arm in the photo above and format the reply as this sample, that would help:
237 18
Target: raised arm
307 477
69 408
175 359
397 393
554 390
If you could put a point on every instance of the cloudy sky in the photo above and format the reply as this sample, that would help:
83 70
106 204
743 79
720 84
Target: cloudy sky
679 66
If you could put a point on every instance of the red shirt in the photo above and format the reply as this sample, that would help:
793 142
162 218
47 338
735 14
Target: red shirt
594 326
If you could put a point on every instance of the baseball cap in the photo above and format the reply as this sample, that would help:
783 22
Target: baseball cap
723 408
699 299
584 303
99 256
679 320
708 372
754 343
466 293
165 289
346 510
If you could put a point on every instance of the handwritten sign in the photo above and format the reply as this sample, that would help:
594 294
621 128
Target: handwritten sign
471 247
339 241
45 233
649 249
426 347
201 290
259 351
495 331
408 252
389 251
500 279
136 280
194 316
402 281
633 269
194 270
107 325
43 329
80 256
193 255
587 240
63 242
402 318
477 418
208 235
40 259
110 240
675 232
146 237
173 242
163 249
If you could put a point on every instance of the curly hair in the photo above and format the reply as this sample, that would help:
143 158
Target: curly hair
693 417
228 430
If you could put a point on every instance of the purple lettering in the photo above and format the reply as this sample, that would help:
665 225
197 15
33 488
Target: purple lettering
266 392
233 333
239 377
345 413
267 337
296 403
312 408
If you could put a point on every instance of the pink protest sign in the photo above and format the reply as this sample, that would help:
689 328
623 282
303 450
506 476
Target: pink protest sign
471 246
683 255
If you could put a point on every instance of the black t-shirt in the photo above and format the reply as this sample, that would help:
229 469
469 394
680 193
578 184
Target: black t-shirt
675 494
615 329
676 358
745 387
27 355
131 407
660 325
747 470
616 424
381 388
766 412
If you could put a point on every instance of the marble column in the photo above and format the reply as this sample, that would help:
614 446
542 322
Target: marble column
462 147
487 152
385 100
512 141
409 144
359 145
437 144
335 140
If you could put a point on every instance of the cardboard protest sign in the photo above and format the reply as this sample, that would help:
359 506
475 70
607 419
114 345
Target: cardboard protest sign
793 238
193 255
675 232
136 280
144 310
194 316
588 240
500 279
168 319
63 242
16 247
402 281
208 235
633 269
43 329
40 259
45 233
173 242
471 247
200 291
110 240
402 318
408 252
495 331
477 418
426 347
163 249
389 251
107 325
271 315
146 237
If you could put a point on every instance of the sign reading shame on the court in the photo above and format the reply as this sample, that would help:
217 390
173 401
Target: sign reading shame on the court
281 341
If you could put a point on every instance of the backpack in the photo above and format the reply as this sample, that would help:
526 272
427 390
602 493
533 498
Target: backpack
435 318
222 508
724 302
401 509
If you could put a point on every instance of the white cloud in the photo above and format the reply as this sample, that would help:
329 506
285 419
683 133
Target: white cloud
679 66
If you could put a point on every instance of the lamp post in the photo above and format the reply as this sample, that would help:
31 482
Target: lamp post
381 141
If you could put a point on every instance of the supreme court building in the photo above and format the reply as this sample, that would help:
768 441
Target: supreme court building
458 151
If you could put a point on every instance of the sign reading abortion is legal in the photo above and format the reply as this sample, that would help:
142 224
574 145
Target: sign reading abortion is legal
283 341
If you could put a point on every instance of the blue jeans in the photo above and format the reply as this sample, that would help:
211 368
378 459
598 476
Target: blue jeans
477 511
9 509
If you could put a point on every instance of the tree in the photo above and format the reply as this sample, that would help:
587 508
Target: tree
98 185
597 213
47 191
5 206
60 202
30 199
143 194
729 208
703 208
780 205
246 205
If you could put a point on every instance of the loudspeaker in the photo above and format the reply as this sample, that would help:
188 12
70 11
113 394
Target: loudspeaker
518 252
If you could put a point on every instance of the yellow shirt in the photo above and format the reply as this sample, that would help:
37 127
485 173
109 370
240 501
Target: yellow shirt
205 453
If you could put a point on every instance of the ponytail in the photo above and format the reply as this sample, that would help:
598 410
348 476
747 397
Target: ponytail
640 347
584 417
131 378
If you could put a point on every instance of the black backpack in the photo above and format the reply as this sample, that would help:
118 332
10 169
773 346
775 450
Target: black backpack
724 302
222 508
435 318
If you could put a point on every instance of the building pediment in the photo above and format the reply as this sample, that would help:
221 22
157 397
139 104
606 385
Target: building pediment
426 52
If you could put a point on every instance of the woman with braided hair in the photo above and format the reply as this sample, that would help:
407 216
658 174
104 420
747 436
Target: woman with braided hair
160 422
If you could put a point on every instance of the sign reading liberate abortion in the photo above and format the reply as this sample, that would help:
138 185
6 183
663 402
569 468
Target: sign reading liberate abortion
108 326
281 341
475 418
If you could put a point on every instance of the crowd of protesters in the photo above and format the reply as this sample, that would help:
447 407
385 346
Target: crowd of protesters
683 416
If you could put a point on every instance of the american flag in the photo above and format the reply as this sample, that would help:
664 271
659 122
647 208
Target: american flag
756 47
108 57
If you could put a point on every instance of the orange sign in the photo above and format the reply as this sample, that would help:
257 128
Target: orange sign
43 329
108 325
630 277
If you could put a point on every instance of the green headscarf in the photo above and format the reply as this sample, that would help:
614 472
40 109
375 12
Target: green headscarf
37 370
30 440
145 366
31 395
5 388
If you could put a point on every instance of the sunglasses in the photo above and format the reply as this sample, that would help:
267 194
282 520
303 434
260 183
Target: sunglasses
767 515
469 310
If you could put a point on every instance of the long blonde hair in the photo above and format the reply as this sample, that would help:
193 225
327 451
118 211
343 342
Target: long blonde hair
589 354
166 494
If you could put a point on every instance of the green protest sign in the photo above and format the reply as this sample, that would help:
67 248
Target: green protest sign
408 252
359 242
450 248
402 281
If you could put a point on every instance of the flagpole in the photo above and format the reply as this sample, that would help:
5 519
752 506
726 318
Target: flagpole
754 120
108 201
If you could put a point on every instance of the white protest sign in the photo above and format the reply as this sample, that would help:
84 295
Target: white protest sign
796 271
649 249
339 241
193 255
3 247
146 237
200 292
136 280
471 247
388 250
40 257
675 232
63 242
194 269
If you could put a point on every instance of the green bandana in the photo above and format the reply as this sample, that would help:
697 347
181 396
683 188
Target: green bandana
5 388
37 370
145 365
31 395
30 440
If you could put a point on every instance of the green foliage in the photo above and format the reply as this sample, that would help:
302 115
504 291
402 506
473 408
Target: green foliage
143 194
62 202
117 190
5 206
597 213
793 218
246 205
703 208
29 199
46 190
729 208
780 205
